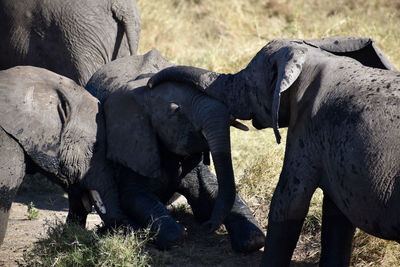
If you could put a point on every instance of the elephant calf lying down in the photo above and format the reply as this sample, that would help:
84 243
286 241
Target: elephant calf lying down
157 137
340 99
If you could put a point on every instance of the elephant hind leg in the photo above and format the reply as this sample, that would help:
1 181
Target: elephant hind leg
12 171
336 235
200 188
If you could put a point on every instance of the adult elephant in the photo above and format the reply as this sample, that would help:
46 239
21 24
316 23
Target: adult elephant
73 38
157 138
343 124
50 124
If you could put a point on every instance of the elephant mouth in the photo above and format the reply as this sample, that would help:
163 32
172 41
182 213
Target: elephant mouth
196 142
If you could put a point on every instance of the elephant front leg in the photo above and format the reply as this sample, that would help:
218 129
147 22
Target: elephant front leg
289 207
200 188
77 211
4 214
12 172
336 237
145 209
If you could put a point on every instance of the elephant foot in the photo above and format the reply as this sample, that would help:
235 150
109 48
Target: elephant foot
169 232
77 212
245 234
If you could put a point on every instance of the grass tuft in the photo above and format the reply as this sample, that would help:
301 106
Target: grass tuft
32 213
71 245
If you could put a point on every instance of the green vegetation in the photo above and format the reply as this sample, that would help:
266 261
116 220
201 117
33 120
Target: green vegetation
72 245
223 36
32 212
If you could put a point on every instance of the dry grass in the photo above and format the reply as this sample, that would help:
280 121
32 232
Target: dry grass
224 35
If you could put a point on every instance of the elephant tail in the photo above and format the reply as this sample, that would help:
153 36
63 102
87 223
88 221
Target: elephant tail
127 13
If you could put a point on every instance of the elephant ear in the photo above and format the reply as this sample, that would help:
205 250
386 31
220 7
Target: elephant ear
288 63
34 113
362 49
131 139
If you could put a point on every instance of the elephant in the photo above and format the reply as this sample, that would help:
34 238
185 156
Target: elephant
157 138
72 38
51 125
340 99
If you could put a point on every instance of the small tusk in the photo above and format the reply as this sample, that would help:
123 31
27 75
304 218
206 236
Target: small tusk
174 107
86 203
97 201
239 125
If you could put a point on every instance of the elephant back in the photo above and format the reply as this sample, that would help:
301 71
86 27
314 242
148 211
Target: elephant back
52 118
119 72
362 49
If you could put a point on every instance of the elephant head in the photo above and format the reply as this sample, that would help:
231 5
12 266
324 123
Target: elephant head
182 119
119 72
255 92
60 128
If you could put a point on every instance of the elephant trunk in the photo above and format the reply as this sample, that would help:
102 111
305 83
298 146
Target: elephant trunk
217 132
104 194
231 89
100 184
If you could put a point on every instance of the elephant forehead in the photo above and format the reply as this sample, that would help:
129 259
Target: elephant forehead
174 92
276 44
171 117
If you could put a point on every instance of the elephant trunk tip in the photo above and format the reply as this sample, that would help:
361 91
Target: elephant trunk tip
277 135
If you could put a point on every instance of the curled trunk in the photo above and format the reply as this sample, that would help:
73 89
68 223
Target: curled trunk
231 89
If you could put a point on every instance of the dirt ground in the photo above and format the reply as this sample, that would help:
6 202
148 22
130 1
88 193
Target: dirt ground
22 232
198 249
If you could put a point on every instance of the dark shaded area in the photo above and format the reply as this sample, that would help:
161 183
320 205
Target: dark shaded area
42 193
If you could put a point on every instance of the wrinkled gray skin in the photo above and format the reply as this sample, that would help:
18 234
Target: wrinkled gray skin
73 38
50 124
343 122
155 137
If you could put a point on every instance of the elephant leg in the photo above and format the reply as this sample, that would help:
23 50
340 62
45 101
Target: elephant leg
200 187
336 236
288 209
146 209
77 212
245 233
12 171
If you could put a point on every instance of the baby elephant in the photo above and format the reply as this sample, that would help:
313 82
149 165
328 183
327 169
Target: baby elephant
51 125
340 99
158 137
